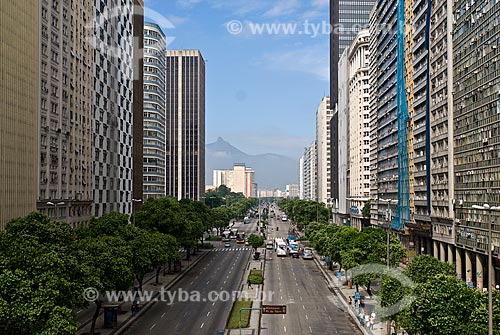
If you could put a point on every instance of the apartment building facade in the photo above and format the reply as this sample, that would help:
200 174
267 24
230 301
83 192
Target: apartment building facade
65 190
113 112
323 118
154 111
358 88
347 18
19 109
309 175
476 117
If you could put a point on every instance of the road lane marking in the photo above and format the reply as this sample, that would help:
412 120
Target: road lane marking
300 298
213 303
152 327
283 316
310 329
208 282
303 307
202 325
284 328
208 313
307 318
162 315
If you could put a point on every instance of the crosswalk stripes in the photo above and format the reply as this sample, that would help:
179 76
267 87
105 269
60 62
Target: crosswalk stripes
231 249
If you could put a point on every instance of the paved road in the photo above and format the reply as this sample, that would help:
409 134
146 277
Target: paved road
218 271
311 307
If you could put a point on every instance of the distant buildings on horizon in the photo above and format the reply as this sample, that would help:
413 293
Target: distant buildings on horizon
240 179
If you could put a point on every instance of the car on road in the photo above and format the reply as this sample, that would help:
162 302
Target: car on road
269 245
227 245
308 253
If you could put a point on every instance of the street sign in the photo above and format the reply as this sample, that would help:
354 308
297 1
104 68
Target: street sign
357 296
338 274
273 309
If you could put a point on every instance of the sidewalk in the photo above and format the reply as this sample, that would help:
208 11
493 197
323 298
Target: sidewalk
125 318
343 292
254 294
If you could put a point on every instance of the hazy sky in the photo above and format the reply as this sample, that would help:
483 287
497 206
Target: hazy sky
262 89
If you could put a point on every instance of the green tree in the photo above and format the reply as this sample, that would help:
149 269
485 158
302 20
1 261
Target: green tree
366 209
424 267
221 217
110 260
443 306
255 241
41 280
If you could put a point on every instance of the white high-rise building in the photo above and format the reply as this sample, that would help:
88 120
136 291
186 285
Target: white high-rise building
323 118
341 209
359 125
154 111
292 191
301 177
309 172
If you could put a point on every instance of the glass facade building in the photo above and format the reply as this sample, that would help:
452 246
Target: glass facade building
154 111
185 124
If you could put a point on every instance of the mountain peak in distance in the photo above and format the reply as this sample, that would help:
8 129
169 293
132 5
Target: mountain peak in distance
271 170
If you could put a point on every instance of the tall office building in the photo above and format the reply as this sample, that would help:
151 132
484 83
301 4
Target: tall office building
476 114
66 61
154 111
137 104
323 116
340 210
347 18
442 129
113 106
301 177
19 108
185 134
358 57
309 177
383 109
417 86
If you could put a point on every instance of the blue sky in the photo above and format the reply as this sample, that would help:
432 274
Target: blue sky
262 90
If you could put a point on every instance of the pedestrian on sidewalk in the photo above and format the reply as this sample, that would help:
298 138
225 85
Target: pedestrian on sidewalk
249 283
350 301
362 319
372 320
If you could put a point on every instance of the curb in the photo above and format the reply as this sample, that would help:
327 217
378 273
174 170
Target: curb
121 329
336 290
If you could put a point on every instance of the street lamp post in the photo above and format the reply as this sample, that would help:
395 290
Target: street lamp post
489 209
133 209
55 204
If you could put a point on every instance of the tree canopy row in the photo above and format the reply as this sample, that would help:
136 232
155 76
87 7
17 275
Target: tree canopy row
45 265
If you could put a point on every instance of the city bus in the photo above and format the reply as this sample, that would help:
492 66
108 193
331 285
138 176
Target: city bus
281 248
240 237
